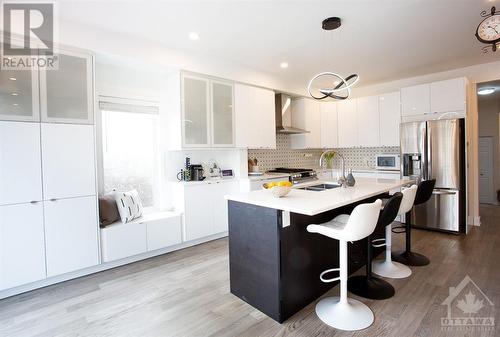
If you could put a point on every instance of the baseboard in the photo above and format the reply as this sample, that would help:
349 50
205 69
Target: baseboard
104 266
477 221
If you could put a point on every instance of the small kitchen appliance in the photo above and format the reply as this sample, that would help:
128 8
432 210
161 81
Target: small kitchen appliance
297 175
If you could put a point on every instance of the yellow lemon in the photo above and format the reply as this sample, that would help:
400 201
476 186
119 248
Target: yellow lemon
283 183
271 184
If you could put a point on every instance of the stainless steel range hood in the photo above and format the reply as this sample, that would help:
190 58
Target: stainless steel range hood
283 111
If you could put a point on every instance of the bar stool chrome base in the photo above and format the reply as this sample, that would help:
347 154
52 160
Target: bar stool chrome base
373 288
390 269
410 258
346 315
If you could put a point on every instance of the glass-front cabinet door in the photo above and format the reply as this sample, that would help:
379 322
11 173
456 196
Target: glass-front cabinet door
66 92
195 111
222 114
19 95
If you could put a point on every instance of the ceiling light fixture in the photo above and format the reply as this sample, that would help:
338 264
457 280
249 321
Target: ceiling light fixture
337 87
284 65
15 94
12 78
485 91
194 36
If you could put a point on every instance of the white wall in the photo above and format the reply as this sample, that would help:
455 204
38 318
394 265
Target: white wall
488 126
476 74
160 57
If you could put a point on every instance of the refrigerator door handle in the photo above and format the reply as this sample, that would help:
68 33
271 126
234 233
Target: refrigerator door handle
443 192
428 153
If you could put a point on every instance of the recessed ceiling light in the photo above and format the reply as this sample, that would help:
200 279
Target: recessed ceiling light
485 91
15 94
194 36
284 65
12 78
15 104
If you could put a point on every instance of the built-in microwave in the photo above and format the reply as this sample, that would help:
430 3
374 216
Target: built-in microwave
387 162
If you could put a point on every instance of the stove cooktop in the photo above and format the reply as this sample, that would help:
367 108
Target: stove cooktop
289 170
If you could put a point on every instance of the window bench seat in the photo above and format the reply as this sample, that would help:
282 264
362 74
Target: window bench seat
150 232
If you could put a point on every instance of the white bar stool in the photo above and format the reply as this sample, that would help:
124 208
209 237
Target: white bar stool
342 312
387 267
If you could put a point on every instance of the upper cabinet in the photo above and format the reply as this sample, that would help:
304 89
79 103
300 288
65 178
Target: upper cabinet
66 93
435 100
200 112
390 119
61 95
347 123
415 100
19 95
222 113
255 117
368 121
329 125
448 96
195 111
306 115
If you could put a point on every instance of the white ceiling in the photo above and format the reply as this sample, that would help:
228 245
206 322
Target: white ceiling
381 40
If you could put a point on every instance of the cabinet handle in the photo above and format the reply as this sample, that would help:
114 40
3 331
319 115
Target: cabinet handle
53 199
33 202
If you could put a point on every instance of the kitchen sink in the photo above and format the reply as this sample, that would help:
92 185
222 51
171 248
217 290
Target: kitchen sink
319 187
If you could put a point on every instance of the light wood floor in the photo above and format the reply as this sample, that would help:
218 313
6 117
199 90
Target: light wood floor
186 293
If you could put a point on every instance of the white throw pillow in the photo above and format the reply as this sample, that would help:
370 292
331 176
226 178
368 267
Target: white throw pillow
129 205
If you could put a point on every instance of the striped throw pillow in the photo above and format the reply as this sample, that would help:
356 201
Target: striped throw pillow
129 205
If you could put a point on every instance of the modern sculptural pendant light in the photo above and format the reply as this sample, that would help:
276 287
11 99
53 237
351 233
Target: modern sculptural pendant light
328 84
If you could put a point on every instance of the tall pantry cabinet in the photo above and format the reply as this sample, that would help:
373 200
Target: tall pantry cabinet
48 205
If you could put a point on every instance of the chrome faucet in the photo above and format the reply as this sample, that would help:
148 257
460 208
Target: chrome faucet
342 180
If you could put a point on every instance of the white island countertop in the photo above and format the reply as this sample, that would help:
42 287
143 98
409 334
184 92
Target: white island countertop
315 202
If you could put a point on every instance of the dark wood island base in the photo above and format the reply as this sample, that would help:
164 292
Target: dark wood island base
276 269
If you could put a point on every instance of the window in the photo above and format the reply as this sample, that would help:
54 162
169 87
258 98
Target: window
130 150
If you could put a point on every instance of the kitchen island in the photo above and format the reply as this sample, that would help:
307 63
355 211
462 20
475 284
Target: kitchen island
274 262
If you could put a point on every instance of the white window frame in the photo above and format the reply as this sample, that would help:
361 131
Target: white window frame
110 103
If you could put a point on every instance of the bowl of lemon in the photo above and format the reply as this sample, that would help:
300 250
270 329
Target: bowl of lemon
278 189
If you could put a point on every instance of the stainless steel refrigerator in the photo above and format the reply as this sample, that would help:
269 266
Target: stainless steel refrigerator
436 150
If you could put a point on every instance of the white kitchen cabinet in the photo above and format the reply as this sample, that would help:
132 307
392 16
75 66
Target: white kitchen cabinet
71 227
448 95
219 207
195 111
254 117
204 207
20 168
390 119
22 247
415 100
368 121
329 125
348 123
222 114
19 95
68 163
306 115
66 94
197 211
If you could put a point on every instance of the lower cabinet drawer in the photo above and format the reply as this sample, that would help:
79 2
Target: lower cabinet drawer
164 232
123 240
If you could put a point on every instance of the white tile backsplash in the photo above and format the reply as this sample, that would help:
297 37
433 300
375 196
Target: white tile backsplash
285 156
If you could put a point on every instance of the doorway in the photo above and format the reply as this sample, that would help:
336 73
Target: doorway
486 182
489 146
